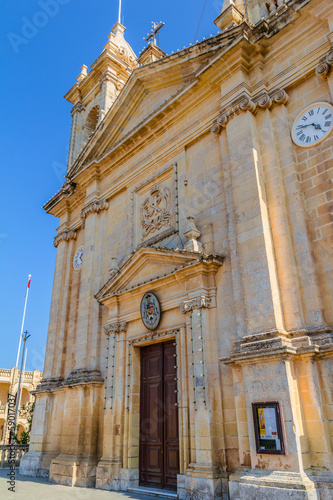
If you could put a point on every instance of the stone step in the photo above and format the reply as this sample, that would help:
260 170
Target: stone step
140 490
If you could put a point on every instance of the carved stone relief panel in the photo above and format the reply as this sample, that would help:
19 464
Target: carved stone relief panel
155 211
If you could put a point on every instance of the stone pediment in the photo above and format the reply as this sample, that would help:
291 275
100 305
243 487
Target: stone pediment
145 265
150 91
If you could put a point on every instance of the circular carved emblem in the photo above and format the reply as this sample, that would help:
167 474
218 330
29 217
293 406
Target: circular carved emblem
150 311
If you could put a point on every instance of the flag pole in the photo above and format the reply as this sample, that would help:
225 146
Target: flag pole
23 375
25 338
25 308
119 14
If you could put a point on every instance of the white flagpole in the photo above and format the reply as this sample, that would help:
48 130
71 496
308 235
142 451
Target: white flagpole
23 375
25 307
119 15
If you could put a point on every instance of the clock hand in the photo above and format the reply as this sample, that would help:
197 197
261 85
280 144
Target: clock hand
316 126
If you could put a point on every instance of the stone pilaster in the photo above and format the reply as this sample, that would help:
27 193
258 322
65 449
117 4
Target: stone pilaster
108 93
111 474
88 327
74 133
203 478
254 240
278 211
310 293
64 244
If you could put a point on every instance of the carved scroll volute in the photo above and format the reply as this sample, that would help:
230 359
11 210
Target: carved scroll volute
265 102
115 328
281 97
247 104
219 124
196 303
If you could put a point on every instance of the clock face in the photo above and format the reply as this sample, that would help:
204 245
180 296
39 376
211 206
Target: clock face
77 261
313 125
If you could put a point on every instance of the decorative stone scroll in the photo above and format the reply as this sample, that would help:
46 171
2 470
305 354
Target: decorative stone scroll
325 65
65 236
94 207
197 303
245 103
156 210
115 328
68 188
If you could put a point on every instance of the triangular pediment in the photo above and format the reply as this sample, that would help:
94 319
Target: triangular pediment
150 91
146 265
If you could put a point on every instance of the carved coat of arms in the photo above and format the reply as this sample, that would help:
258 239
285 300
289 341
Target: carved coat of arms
156 211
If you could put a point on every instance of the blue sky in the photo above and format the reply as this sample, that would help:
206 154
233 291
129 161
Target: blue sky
43 44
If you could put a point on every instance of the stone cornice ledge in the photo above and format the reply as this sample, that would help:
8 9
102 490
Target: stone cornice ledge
277 344
81 376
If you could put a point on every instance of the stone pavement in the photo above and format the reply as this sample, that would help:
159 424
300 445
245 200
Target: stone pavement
31 488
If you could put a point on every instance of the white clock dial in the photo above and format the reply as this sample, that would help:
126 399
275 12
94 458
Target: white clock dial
77 261
313 125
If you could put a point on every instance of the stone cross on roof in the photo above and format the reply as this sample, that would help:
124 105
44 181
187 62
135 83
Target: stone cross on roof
152 37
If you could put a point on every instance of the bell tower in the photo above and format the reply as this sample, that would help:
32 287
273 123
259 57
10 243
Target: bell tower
94 93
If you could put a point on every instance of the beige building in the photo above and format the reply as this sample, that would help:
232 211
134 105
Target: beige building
9 380
190 341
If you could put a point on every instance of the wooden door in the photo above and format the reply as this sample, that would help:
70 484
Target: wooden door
159 441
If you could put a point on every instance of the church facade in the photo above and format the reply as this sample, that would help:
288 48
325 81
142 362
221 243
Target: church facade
190 341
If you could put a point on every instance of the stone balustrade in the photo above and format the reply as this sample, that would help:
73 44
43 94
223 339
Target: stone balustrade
20 450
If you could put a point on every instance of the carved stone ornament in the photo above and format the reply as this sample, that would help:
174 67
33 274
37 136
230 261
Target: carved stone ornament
197 303
325 64
281 97
156 211
245 103
265 102
65 236
68 188
94 207
115 328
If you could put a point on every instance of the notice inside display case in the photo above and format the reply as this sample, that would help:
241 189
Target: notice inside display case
268 428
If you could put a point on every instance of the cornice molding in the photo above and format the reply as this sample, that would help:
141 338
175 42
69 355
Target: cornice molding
65 236
115 328
108 76
77 108
325 64
196 303
246 103
95 206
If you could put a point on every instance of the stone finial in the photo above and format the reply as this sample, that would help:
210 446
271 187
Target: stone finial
192 234
232 14
114 266
83 73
